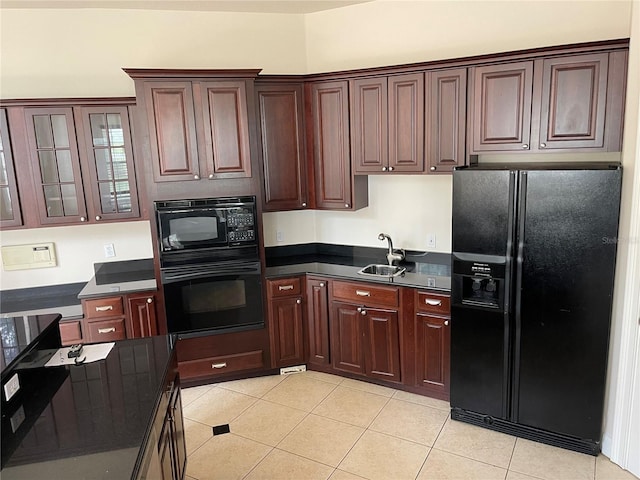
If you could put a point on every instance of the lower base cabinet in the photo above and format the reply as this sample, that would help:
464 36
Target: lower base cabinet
286 321
317 321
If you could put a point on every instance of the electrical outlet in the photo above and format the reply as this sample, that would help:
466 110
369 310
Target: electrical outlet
431 240
11 387
279 236
109 250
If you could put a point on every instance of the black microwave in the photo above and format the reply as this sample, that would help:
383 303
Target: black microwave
206 229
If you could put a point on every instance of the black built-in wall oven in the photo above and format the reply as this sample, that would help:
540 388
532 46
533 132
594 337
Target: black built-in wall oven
210 265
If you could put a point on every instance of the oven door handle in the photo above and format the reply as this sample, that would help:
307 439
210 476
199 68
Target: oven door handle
194 272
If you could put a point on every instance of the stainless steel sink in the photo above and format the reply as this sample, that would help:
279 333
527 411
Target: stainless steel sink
375 270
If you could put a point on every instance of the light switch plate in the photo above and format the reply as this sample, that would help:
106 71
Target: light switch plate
431 240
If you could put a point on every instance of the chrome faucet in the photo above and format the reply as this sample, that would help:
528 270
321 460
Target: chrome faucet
392 255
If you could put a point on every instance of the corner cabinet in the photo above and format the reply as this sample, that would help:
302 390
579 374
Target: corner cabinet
79 165
569 102
282 138
198 124
336 188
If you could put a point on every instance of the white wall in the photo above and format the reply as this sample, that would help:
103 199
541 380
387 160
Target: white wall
81 52
77 248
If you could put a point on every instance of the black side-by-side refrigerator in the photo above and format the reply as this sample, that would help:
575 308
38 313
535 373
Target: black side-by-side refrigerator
533 264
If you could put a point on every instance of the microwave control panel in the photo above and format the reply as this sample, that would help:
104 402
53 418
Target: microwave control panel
240 222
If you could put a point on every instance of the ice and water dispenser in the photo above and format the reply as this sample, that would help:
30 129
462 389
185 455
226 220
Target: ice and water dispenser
478 283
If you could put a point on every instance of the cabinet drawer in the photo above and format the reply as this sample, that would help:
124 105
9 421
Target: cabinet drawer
106 330
70 332
104 307
433 303
285 287
366 293
222 364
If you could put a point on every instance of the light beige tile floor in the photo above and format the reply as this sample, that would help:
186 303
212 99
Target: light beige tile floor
313 425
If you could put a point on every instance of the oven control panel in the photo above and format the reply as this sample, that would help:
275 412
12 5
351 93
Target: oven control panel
240 222
242 236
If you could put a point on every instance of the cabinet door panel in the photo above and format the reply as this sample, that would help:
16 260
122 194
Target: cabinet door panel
346 338
406 123
432 352
55 165
574 94
282 134
10 211
172 131
383 344
287 323
142 318
502 107
330 117
111 180
369 119
226 129
178 434
448 108
318 321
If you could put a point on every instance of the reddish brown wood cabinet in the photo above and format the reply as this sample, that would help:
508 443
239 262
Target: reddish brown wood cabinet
142 319
558 103
335 186
286 310
318 321
388 124
281 120
364 330
10 207
446 107
79 164
431 332
197 123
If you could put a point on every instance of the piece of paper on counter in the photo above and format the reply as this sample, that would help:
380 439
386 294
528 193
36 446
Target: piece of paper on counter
90 353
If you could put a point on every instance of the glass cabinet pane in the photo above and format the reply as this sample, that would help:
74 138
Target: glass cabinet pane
6 210
116 134
53 200
4 178
65 168
107 198
44 135
98 129
60 132
69 199
103 164
10 214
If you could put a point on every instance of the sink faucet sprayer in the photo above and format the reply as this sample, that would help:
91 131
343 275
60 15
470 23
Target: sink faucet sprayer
392 255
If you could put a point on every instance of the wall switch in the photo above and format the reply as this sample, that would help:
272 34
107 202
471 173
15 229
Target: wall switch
431 240
109 250
11 387
279 236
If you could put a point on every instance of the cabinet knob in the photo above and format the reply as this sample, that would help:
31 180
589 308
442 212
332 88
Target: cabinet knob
346 205
299 301
391 169
525 145
359 309
433 169
384 169
149 300
543 145
196 177
304 204
322 284
446 322
98 217
211 176
363 312
83 219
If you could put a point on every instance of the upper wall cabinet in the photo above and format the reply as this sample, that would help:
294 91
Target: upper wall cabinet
336 188
446 107
566 102
281 121
387 115
10 213
75 162
198 128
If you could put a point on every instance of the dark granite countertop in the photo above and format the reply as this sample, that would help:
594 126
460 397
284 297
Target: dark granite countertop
429 270
85 421
120 277
62 299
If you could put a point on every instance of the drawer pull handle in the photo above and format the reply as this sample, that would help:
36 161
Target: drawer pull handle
219 365
446 323
107 330
285 287
104 308
363 293
433 303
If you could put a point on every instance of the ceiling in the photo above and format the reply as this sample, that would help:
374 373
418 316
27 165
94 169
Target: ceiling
258 6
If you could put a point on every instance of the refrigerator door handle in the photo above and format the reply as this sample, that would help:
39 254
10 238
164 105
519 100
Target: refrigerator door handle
522 210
